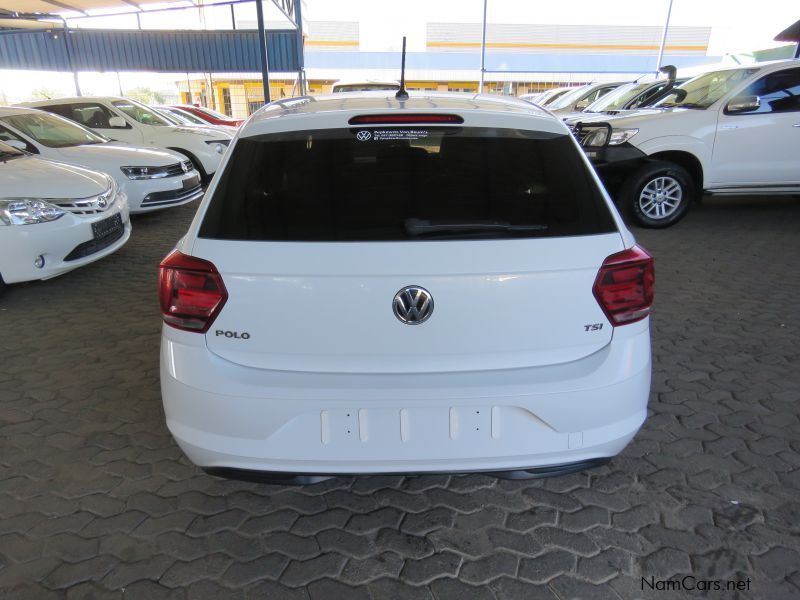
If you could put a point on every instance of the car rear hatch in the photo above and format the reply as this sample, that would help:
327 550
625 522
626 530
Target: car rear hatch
316 233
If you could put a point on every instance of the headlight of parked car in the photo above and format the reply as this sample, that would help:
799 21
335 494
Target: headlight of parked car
219 145
620 136
145 172
599 136
27 211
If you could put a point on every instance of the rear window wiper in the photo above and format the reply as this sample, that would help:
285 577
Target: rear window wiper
417 227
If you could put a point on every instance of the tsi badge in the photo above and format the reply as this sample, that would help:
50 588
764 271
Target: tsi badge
233 334
413 305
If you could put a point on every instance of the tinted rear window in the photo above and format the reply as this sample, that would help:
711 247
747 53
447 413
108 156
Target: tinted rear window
368 184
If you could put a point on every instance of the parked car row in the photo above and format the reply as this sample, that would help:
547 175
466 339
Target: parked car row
658 145
730 131
74 168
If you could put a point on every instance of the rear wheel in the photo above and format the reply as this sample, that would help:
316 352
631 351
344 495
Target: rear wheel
658 194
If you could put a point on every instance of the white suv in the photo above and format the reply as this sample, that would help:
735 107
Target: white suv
129 121
374 285
730 131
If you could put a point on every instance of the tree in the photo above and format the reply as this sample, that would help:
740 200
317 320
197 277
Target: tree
145 95
44 93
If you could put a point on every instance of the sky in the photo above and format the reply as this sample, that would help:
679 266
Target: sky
736 27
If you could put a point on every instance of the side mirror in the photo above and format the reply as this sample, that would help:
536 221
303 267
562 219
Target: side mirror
670 71
117 123
740 104
18 144
581 105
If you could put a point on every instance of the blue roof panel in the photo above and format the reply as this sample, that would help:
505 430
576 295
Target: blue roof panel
147 50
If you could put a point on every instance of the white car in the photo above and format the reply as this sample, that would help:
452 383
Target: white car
131 121
546 97
374 285
730 131
55 217
152 179
579 98
177 116
363 85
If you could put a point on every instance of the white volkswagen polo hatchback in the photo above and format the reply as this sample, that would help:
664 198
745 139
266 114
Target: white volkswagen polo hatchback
382 285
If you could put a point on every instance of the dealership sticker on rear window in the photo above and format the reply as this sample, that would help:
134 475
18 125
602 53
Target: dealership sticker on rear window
364 135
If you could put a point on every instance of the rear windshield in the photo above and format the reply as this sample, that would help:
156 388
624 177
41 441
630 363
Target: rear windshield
405 183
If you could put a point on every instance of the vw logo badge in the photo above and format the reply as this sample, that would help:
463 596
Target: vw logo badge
363 135
413 305
102 202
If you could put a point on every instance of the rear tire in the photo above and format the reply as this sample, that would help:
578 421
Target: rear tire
658 194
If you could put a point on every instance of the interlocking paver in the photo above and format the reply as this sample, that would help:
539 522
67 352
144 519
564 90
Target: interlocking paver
425 570
481 571
302 573
359 571
266 567
95 497
547 566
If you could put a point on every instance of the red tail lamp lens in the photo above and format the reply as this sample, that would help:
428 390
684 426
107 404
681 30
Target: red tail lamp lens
625 285
190 291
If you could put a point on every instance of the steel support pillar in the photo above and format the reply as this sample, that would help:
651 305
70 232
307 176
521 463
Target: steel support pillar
262 43
664 37
483 49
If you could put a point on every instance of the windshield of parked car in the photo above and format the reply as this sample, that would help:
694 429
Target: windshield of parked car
52 131
141 113
549 96
703 91
187 117
568 98
405 183
617 99
172 118
212 113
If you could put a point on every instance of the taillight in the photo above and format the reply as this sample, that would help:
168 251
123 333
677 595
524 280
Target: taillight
191 292
405 118
624 286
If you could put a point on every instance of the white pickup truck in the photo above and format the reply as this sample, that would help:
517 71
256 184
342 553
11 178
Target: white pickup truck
729 131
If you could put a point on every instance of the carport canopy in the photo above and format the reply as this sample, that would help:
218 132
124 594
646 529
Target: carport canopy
23 15
86 7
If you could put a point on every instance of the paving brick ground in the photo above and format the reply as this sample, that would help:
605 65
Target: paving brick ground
96 501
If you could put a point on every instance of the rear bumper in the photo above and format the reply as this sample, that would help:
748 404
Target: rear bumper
225 416
286 478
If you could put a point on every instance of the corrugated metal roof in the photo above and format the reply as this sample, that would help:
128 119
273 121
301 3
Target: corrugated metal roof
60 6
147 50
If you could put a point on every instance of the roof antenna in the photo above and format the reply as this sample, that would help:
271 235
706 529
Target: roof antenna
402 94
